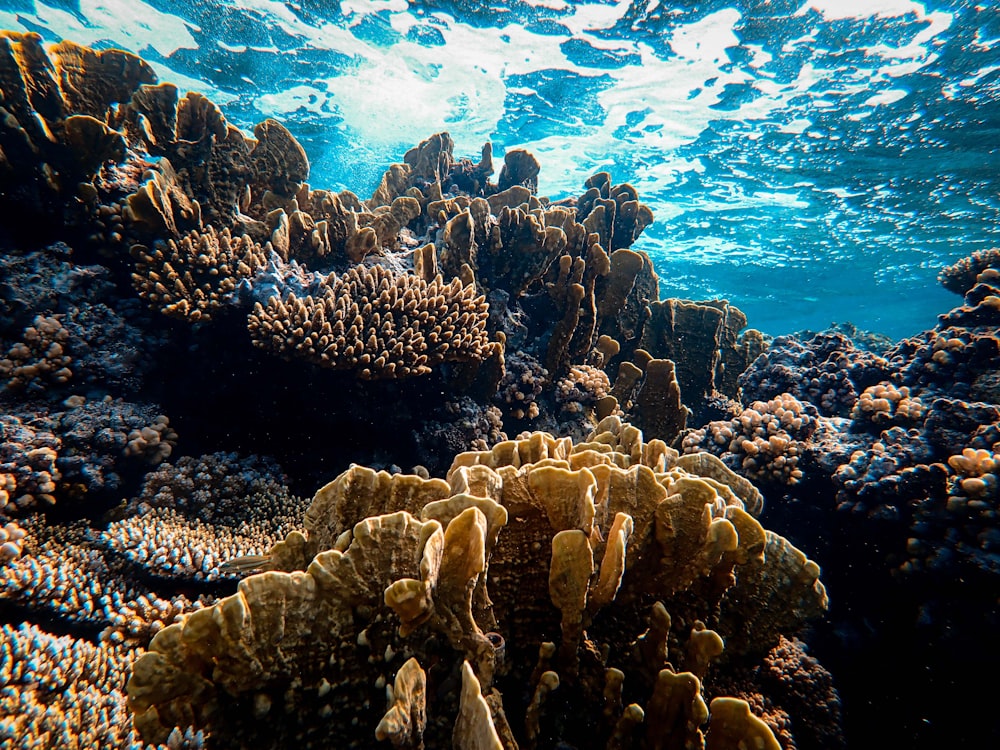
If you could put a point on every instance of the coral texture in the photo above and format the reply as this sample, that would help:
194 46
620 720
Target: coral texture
413 581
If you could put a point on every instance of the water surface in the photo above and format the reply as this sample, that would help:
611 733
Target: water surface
809 160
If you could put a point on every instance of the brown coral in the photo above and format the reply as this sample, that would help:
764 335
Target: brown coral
40 358
378 323
964 274
60 691
704 340
194 277
766 441
154 442
533 538
57 129
885 405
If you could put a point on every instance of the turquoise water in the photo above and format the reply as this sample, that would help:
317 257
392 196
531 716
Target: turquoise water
811 161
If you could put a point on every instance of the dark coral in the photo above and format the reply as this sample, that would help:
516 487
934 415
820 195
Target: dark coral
826 370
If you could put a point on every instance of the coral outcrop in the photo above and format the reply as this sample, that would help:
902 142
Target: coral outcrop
379 324
537 568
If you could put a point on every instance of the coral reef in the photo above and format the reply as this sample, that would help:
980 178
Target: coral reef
177 304
78 451
190 278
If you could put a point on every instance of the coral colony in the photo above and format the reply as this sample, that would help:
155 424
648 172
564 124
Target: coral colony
194 340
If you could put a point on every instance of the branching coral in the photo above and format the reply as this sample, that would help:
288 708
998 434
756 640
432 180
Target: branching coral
827 370
11 539
962 276
193 516
885 405
49 456
377 323
960 529
63 572
193 277
61 691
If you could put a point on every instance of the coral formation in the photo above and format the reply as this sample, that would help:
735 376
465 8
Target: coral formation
192 277
765 442
83 448
39 358
377 323
63 572
828 371
62 691
571 587
193 516
531 540
11 540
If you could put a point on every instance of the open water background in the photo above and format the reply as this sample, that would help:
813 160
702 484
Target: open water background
811 161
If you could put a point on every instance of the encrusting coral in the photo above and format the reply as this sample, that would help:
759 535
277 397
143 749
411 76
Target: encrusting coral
536 576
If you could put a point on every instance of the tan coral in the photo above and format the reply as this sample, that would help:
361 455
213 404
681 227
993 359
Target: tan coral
40 358
57 572
153 443
704 340
404 723
278 162
884 405
59 127
194 277
732 725
533 535
11 541
582 387
63 691
378 323
767 440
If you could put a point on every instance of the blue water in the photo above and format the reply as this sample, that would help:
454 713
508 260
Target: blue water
811 161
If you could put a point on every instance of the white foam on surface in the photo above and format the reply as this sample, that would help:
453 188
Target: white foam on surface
131 24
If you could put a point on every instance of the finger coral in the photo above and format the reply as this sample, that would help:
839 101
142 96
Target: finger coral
376 322
193 277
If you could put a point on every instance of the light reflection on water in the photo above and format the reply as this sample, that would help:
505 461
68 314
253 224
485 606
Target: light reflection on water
809 160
